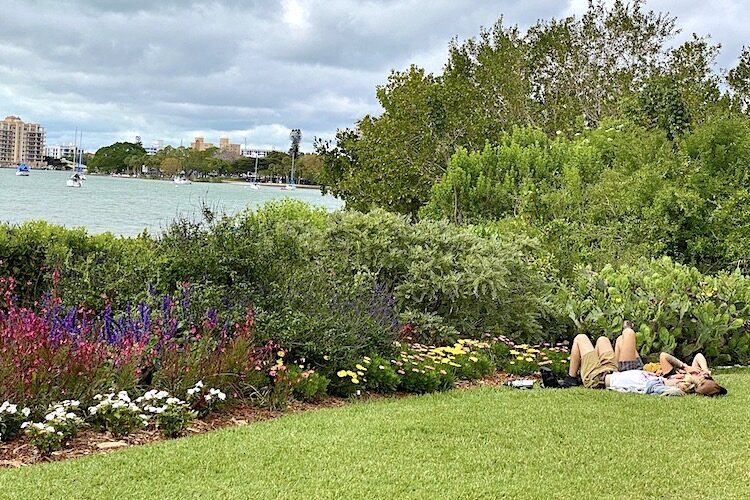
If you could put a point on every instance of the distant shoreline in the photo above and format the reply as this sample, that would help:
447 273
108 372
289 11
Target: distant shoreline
236 183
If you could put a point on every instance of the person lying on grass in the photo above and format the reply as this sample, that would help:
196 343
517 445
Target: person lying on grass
627 358
598 369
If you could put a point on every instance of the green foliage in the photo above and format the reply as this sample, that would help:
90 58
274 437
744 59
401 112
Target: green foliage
381 376
563 76
673 307
115 158
311 386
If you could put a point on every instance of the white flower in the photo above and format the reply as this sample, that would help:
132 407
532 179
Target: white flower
98 397
70 415
199 383
25 424
173 401
208 397
162 394
192 391
26 412
92 409
222 396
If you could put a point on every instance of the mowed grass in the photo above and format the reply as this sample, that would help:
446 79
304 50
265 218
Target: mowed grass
480 443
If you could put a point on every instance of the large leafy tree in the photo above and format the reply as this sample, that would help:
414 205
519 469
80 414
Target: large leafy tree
115 158
560 76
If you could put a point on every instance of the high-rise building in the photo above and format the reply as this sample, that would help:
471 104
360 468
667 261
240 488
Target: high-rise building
21 142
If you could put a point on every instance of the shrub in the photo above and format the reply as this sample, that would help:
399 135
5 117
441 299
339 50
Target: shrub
116 414
11 419
171 415
673 308
44 437
380 375
474 365
204 400
310 385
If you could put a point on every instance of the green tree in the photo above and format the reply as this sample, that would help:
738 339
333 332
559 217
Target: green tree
170 166
114 158
738 80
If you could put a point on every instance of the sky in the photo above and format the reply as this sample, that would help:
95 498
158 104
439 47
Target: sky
252 70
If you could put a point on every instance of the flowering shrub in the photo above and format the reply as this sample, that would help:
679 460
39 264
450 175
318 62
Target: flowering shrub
117 414
380 376
526 360
11 419
309 385
204 400
43 436
172 415
50 351
63 417
61 423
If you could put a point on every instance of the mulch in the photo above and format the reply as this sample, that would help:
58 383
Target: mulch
20 452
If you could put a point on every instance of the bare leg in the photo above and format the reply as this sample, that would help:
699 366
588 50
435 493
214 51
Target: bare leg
603 345
581 345
625 346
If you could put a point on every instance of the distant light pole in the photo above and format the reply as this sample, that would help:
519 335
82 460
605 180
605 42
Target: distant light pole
296 136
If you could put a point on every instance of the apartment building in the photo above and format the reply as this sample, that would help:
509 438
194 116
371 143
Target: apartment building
60 151
21 142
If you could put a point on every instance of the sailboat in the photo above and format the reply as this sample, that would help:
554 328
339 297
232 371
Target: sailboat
76 180
22 170
254 183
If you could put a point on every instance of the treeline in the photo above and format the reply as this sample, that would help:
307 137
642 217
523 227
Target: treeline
126 157
563 77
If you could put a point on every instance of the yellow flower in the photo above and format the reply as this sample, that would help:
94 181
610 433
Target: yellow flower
454 364
355 380
281 354
341 373
514 352
512 362
529 359
359 373
474 358
367 360
326 357
360 367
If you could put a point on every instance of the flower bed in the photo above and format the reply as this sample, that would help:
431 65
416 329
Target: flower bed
158 367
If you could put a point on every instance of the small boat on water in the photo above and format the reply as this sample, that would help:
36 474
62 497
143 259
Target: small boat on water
179 180
289 187
253 185
75 181
22 170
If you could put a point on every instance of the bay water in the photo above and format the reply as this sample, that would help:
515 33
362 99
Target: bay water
126 206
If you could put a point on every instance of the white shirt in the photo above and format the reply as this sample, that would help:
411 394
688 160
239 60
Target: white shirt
631 380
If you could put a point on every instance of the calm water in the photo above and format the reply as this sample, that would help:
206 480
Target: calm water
126 206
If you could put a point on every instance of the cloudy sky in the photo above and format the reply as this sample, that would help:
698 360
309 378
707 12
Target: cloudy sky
252 70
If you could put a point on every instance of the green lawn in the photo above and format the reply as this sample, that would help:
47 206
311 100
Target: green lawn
481 443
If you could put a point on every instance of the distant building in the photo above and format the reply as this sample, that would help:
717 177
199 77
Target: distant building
60 151
154 148
21 142
200 144
255 153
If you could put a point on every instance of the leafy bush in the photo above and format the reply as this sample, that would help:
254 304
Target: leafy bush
171 415
116 414
380 375
673 308
311 386
11 419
